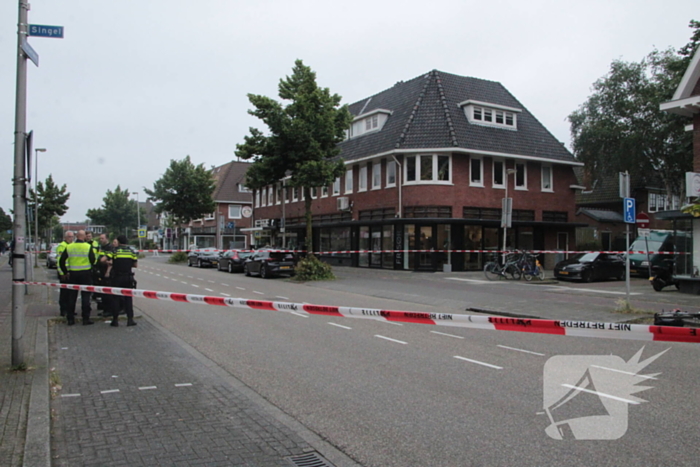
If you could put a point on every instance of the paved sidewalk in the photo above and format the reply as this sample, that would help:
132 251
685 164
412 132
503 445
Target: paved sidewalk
131 396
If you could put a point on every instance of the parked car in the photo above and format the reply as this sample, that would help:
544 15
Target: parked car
202 257
52 258
587 267
658 240
232 260
266 263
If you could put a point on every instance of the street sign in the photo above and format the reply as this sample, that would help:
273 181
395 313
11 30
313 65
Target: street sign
507 212
142 233
624 185
642 221
30 52
629 206
40 30
646 233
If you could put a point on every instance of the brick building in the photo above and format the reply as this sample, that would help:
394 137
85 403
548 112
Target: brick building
429 162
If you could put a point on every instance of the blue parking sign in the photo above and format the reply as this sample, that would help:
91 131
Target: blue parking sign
630 209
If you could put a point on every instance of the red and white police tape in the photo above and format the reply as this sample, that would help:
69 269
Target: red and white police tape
542 326
344 252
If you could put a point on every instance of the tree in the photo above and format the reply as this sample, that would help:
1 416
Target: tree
302 140
620 127
185 191
5 224
52 203
117 213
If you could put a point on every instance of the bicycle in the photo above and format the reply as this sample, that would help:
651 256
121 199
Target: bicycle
494 271
531 267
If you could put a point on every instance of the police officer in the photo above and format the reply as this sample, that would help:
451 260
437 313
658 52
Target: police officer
123 259
68 238
76 264
101 277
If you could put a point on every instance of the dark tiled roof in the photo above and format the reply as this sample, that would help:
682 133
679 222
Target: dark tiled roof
601 215
606 189
228 177
426 114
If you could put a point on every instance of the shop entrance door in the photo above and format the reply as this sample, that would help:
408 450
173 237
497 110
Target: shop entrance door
425 241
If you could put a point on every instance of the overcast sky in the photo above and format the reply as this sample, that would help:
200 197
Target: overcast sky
137 83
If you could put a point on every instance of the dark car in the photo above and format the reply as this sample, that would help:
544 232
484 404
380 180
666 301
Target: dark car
232 260
268 263
52 258
587 267
203 257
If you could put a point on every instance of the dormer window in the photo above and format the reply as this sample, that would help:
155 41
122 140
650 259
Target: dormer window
483 113
368 122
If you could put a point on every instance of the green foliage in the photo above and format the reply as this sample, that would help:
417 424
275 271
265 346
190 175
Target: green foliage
5 224
52 203
313 269
178 257
303 136
185 191
620 127
117 213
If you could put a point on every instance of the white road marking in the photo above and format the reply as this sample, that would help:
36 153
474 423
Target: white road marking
240 288
448 335
576 289
479 363
390 339
259 293
601 394
520 350
625 372
194 285
182 385
200 279
70 395
184 282
224 294
283 298
208 290
158 275
145 388
225 285
64 348
338 325
190 277
390 322
213 282
109 391
299 314
166 277
476 281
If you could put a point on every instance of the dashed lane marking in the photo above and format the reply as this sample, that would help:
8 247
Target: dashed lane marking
182 385
299 314
208 290
448 335
259 293
109 391
390 339
339 325
70 395
477 281
283 298
240 288
520 350
479 363
146 388
576 289
225 285
224 294
194 285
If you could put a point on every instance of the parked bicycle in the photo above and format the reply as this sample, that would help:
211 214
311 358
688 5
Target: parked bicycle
510 270
531 267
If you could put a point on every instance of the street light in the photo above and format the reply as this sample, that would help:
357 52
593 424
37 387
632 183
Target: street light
506 217
138 218
36 204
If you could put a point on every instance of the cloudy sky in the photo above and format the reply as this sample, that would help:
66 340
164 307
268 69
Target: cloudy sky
137 83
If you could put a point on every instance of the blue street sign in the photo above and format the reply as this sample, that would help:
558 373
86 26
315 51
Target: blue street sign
30 53
630 207
40 30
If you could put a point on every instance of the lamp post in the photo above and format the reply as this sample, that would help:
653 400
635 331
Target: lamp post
36 204
138 218
507 213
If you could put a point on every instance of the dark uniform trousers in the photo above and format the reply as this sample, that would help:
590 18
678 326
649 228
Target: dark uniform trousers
125 281
63 300
81 278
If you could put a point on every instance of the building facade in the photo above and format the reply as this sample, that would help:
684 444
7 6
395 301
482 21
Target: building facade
429 162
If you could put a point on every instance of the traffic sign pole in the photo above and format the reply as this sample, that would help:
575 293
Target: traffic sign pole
643 224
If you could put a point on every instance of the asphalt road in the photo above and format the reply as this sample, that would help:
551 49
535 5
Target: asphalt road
391 394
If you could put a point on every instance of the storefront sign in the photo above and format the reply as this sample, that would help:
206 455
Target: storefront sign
692 184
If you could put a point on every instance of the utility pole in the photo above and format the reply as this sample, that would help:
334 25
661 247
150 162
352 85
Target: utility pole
138 219
19 192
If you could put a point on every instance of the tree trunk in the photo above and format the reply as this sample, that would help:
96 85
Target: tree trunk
309 226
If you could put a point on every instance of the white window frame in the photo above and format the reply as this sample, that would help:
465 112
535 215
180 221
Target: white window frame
242 188
390 167
257 198
209 216
295 194
324 192
547 167
348 180
232 211
270 196
493 173
489 114
278 193
480 182
336 186
434 180
522 187
362 178
263 197
377 175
